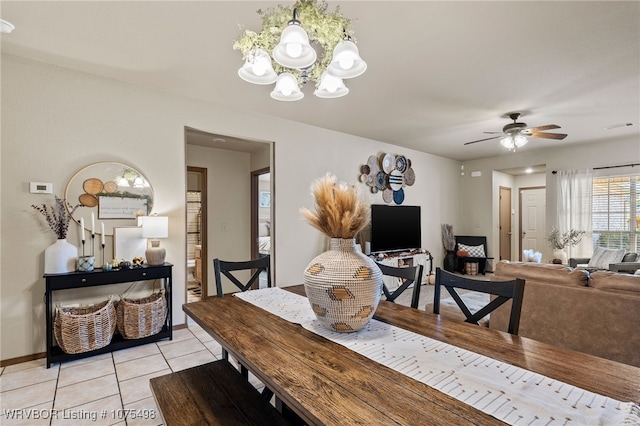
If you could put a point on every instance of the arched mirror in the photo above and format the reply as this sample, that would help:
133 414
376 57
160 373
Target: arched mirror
115 193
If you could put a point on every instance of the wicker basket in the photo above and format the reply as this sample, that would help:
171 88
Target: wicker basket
138 318
471 268
85 329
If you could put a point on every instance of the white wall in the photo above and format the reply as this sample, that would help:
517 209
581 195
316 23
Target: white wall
56 121
228 205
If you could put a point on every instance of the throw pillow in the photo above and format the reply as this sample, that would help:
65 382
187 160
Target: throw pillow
474 251
602 257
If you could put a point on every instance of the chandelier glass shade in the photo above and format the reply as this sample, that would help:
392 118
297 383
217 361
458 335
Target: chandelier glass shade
304 42
512 142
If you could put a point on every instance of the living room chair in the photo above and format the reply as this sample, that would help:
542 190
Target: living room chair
476 248
408 275
227 268
504 290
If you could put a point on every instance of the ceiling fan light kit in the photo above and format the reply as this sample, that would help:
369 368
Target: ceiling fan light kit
291 43
514 135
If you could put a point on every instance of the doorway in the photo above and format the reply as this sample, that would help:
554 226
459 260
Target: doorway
196 233
261 223
532 220
505 223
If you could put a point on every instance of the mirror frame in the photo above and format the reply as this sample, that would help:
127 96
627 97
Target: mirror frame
98 182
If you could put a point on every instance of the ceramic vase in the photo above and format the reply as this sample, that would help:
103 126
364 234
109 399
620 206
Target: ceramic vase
60 257
343 286
450 260
560 254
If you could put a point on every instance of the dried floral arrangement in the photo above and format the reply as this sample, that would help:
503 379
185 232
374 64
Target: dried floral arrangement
560 241
340 212
58 216
448 239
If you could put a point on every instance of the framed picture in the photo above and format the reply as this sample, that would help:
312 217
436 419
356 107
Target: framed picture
264 199
128 242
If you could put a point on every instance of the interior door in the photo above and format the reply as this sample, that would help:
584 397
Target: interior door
505 223
532 220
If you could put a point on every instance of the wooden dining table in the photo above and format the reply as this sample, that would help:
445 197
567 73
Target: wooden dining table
325 383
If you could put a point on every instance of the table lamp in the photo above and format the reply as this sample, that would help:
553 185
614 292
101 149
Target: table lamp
155 227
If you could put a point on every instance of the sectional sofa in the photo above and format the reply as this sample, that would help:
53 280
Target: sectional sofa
596 313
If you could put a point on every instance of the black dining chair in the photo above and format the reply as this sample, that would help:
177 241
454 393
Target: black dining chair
227 268
407 275
503 290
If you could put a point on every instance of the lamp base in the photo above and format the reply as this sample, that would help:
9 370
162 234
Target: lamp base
155 254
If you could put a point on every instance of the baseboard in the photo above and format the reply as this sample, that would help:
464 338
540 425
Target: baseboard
21 359
32 357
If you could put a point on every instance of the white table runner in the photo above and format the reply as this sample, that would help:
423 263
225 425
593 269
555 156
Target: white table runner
509 393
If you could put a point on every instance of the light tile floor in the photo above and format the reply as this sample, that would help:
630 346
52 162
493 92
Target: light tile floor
108 389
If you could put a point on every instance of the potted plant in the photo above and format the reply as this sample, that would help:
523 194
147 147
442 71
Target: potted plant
61 256
342 284
560 241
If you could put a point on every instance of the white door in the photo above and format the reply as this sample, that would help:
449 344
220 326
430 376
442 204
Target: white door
532 219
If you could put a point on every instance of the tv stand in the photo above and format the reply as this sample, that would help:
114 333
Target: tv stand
399 259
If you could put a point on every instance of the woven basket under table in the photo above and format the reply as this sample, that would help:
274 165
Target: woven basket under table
138 318
86 328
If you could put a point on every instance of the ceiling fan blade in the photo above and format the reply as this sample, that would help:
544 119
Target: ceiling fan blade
547 127
482 140
558 136
492 133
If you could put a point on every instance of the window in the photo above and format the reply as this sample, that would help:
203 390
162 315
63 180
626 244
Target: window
616 212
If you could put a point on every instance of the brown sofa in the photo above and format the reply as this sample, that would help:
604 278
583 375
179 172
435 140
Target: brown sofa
597 313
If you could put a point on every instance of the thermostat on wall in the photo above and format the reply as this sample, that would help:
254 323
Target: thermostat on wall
40 188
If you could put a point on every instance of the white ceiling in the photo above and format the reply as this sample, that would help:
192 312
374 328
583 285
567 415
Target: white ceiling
439 73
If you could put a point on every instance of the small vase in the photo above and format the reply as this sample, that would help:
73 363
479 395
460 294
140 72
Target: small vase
343 286
60 257
560 254
449 262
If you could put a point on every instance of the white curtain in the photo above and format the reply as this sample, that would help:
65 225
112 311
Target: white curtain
575 190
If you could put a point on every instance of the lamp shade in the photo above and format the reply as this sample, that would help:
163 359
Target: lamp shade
507 142
287 88
346 61
330 87
294 50
520 140
155 227
257 69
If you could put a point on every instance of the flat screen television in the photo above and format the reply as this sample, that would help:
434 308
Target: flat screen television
395 228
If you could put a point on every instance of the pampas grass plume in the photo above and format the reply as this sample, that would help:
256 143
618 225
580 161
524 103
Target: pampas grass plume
340 209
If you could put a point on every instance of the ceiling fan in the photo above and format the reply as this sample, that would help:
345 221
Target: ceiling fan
514 135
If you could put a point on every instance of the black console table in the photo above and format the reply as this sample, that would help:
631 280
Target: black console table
99 277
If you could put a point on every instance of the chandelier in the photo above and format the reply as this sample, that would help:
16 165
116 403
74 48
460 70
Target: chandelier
289 35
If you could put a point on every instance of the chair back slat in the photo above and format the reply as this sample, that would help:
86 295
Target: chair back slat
408 275
504 290
226 268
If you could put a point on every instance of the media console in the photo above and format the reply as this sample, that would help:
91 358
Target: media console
408 258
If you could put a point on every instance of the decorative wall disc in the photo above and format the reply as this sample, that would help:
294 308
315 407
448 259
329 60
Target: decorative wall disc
388 174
